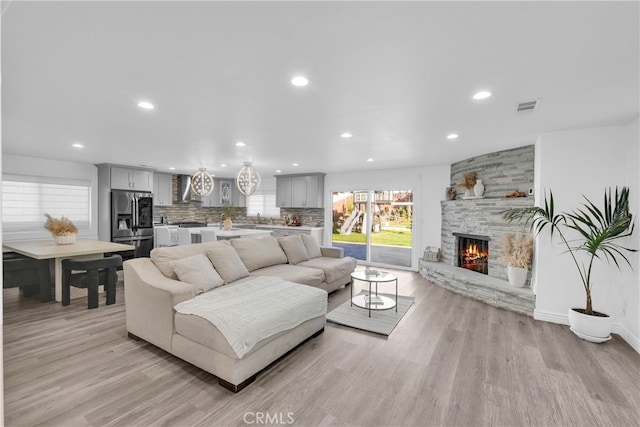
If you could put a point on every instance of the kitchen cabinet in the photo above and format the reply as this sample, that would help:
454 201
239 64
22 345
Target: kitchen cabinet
162 189
226 187
131 179
300 191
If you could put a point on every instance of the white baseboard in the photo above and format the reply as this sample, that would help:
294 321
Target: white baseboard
563 319
547 316
634 342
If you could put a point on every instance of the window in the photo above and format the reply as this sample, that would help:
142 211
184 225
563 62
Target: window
263 204
25 200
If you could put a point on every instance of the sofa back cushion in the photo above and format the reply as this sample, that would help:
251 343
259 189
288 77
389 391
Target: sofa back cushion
198 271
312 246
227 262
165 258
258 253
294 248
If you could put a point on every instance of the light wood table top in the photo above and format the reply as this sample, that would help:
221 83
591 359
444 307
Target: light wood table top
47 249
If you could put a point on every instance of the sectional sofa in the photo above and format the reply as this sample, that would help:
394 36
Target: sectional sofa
233 307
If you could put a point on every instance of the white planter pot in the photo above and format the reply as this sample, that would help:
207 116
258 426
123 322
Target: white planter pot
517 276
590 328
65 240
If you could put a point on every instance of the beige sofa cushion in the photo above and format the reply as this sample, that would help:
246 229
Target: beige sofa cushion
311 245
294 248
293 273
259 253
227 263
334 268
198 271
165 258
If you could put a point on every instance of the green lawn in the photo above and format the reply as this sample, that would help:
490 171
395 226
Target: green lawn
384 237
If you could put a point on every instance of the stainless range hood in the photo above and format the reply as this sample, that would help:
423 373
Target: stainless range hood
184 190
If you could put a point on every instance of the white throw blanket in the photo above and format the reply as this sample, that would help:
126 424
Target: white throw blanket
249 312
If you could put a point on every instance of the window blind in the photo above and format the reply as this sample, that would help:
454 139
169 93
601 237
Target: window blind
25 200
263 204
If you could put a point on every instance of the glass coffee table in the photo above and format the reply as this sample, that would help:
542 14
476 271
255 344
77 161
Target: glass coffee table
373 301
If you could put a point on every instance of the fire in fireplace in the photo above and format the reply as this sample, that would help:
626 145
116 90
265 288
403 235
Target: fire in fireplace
473 252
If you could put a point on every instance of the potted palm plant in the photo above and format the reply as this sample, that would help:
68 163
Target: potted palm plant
598 232
517 251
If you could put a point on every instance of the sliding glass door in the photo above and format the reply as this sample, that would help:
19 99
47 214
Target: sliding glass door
374 226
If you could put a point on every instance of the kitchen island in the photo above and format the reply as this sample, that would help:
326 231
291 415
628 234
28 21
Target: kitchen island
234 233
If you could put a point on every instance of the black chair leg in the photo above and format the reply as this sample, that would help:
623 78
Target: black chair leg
66 287
92 288
110 286
45 282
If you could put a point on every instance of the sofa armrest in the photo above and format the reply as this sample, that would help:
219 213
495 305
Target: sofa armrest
332 252
149 300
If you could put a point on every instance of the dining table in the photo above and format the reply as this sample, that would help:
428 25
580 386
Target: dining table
48 249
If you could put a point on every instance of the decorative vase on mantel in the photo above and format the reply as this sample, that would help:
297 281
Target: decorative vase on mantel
478 189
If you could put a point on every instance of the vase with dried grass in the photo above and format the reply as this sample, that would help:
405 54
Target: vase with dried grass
517 252
63 230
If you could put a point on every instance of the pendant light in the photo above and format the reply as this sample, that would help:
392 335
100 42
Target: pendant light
202 183
247 179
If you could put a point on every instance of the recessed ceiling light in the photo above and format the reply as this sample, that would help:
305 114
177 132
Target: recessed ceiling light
77 145
369 159
240 144
453 136
295 164
171 168
299 81
278 171
146 105
222 165
346 135
483 94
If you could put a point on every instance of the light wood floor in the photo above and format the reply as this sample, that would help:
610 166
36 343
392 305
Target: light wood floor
450 362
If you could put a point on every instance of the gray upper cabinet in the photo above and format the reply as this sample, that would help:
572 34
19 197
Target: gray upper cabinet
224 193
131 179
300 191
162 189
283 191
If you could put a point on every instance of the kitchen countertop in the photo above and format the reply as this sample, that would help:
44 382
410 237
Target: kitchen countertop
292 227
268 226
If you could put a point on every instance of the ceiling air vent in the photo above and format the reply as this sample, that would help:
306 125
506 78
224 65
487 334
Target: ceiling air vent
527 106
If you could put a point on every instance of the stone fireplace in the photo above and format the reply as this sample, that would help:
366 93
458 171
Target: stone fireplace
472 230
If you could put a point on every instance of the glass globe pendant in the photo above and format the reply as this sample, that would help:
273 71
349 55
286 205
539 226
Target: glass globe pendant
202 183
247 179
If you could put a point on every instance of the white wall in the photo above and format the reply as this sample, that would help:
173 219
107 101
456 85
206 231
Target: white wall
585 162
21 165
428 184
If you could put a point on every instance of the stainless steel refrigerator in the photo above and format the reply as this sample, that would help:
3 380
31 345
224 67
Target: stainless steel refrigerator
132 220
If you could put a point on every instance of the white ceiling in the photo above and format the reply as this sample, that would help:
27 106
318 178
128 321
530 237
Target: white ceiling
399 76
